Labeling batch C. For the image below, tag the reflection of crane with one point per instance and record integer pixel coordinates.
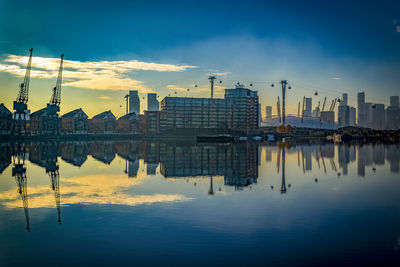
(283, 186)
(20, 104)
(19, 172)
(211, 190)
(55, 186)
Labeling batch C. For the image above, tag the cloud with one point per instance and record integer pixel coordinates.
(98, 75)
(335, 78)
(176, 88)
(104, 97)
(220, 73)
(398, 29)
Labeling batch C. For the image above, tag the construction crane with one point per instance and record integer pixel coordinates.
(332, 108)
(19, 173)
(317, 110)
(20, 104)
(54, 104)
(323, 107)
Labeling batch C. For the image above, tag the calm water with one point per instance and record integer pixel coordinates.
(131, 203)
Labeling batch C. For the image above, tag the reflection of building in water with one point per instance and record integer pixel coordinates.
(393, 156)
(151, 168)
(102, 151)
(130, 152)
(268, 155)
(74, 153)
(369, 155)
(237, 163)
(343, 158)
(5, 156)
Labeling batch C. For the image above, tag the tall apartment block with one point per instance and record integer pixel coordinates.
(134, 102)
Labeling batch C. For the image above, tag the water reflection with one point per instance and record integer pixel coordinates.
(237, 164)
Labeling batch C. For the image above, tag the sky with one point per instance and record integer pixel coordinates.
(167, 47)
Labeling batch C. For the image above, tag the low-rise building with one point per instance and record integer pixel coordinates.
(103, 123)
(127, 124)
(74, 122)
(44, 121)
(5, 120)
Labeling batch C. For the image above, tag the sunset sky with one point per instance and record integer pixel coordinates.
(111, 47)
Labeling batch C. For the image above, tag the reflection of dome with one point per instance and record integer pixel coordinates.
(294, 121)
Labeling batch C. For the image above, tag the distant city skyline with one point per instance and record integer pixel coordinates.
(331, 48)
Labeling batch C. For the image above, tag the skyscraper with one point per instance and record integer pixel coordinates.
(378, 116)
(352, 116)
(152, 102)
(344, 100)
(134, 102)
(394, 101)
(361, 108)
(268, 111)
(343, 115)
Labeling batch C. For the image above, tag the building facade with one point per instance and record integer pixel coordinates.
(5, 120)
(103, 123)
(127, 124)
(44, 121)
(74, 122)
(194, 113)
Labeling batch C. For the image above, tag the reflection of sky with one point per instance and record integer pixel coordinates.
(347, 215)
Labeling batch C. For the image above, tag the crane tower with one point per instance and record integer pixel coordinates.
(20, 104)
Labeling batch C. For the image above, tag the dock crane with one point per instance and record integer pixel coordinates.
(54, 105)
(20, 104)
(19, 173)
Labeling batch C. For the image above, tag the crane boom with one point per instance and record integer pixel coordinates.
(24, 87)
(56, 97)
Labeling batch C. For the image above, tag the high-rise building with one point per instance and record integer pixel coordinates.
(361, 108)
(268, 111)
(134, 102)
(245, 107)
(352, 116)
(368, 114)
(393, 114)
(343, 115)
(394, 101)
(344, 100)
(308, 107)
(152, 102)
(378, 116)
